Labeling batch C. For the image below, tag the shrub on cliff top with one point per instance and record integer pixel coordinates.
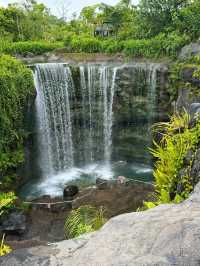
(23, 48)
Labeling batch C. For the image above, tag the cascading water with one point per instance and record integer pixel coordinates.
(108, 96)
(97, 89)
(76, 117)
(54, 84)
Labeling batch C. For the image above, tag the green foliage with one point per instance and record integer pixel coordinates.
(177, 140)
(16, 85)
(188, 20)
(6, 201)
(29, 21)
(156, 16)
(153, 28)
(4, 249)
(85, 219)
(85, 44)
(161, 45)
(24, 48)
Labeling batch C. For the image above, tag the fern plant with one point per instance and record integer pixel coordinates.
(83, 220)
(177, 140)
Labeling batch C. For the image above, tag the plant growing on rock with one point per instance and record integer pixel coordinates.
(177, 139)
(6, 203)
(83, 220)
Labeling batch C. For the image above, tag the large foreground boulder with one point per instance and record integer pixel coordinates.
(166, 235)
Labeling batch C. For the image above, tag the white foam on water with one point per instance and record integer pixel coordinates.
(141, 169)
(53, 185)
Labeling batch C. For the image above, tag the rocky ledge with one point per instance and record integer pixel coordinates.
(165, 235)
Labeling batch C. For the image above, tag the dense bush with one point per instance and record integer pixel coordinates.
(85, 44)
(112, 46)
(24, 48)
(161, 45)
(188, 21)
(16, 85)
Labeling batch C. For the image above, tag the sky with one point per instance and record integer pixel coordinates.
(73, 5)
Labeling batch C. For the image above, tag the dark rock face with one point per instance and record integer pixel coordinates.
(102, 183)
(187, 75)
(14, 222)
(70, 191)
(189, 50)
(191, 168)
(189, 100)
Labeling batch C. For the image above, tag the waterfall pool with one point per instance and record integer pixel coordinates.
(85, 176)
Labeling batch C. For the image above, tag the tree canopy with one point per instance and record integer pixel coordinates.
(33, 21)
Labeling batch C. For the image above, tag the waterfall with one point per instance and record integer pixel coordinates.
(63, 141)
(54, 85)
(152, 86)
(108, 96)
(77, 108)
(97, 90)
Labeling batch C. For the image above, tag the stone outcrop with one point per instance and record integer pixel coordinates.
(165, 235)
(189, 50)
(188, 94)
(13, 222)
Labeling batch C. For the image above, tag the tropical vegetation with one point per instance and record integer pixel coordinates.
(153, 28)
(178, 138)
(17, 87)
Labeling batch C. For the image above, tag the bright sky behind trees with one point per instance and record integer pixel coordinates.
(71, 5)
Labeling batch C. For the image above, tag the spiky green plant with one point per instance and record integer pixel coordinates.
(6, 201)
(83, 220)
(177, 140)
(4, 249)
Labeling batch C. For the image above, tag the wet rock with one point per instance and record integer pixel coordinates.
(13, 222)
(189, 50)
(70, 191)
(187, 75)
(188, 157)
(195, 170)
(102, 183)
(183, 100)
(194, 109)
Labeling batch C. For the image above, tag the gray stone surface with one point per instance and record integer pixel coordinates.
(166, 235)
(189, 50)
(187, 76)
(13, 222)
